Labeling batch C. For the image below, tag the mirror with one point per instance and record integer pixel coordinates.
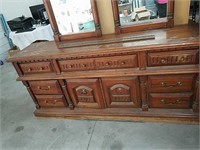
(73, 16)
(142, 14)
(73, 19)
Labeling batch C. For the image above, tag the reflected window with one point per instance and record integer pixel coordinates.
(141, 11)
(73, 16)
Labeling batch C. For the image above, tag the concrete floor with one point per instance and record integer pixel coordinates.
(21, 130)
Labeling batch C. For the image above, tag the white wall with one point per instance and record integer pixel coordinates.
(16, 8)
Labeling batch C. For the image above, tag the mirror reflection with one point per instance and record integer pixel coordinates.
(73, 16)
(141, 11)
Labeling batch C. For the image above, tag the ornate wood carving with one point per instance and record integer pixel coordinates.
(39, 67)
(65, 92)
(195, 105)
(116, 62)
(55, 66)
(120, 93)
(142, 60)
(171, 58)
(74, 65)
(143, 92)
(85, 94)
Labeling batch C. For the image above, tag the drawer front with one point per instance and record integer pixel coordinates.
(39, 67)
(173, 58)
(116, 62)
(121, 92)
(171, 83)
(45, 87)
(171, 100)
(85, 93)
(51, 100)
(76, 65)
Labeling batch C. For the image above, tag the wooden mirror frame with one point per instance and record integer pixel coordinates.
(70, 37)
(140, 27)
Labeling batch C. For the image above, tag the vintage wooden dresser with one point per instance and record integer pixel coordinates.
(143, 80)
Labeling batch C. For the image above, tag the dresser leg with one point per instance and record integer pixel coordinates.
(195, 106)
(143, 94)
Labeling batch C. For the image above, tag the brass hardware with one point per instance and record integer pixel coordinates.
(29, 70)
(84, 92)
(122, 63)
(178, 101)
(107, 64)
(40, 88)
(183, 59)
(163, 61)
(119, 89)
(41, 68)
(54, 101)
(163, 84)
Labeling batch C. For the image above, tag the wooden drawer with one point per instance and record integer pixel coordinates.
(39, 67)
(121, 92)
(85, 93)
(171, 83)
(173, 58)
(75, 65)
(171, 100)
(116, 62)
(45, 87)
(51, 100)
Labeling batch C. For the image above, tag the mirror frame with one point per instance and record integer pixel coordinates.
(70, 37)
(145, 26)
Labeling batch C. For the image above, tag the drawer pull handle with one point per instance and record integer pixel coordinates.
(40, 88)
(178, 101)
(84, 92)
(107, 64)
(84, 65)
(163, 84)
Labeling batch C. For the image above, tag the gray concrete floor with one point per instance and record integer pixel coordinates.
(21, 130)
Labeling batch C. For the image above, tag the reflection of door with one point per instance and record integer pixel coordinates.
(5, 41)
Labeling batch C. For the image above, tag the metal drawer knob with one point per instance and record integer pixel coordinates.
(29, 70)
(107, 64)
(41, 68)
(122, 63)
(84, 92)
(163, 61)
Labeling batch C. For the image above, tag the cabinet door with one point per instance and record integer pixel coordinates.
(85, 93)
(121, 92)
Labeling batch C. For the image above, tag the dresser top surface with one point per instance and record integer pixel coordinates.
(180, 35)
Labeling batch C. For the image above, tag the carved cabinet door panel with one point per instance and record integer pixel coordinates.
(85, 93)
(121, 92)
